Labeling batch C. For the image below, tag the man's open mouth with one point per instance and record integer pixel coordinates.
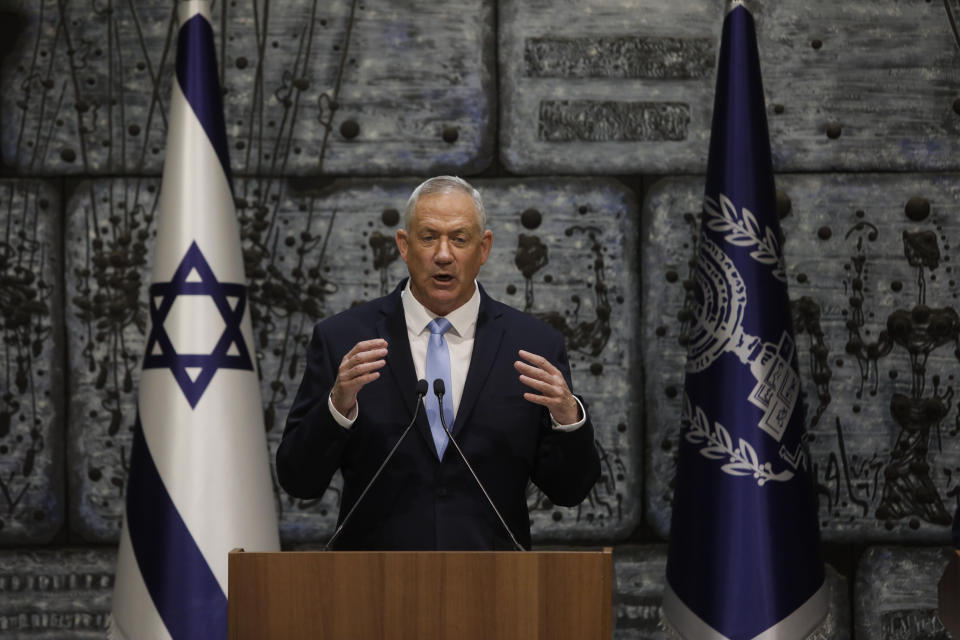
(443, 277)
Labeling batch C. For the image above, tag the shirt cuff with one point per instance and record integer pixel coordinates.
(342, 420)
(556, 425)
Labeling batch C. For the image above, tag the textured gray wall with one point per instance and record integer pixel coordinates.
(309, 88)
(869, 262)
(897, 593)
(335, 110)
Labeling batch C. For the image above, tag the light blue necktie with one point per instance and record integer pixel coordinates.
(438, 366)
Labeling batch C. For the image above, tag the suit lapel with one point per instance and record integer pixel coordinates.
(392, 327)
(486, 344)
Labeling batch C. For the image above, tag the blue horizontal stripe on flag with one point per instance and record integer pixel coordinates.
(183, 588)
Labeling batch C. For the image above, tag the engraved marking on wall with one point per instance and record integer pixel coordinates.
(612, 121)
(619, 57)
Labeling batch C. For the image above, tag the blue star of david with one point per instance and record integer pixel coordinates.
(178, 363)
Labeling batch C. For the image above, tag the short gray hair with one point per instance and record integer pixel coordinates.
(444, 184)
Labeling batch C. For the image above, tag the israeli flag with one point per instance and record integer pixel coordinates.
(200, 481)
(744, 560)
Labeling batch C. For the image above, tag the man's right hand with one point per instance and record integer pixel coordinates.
(359, 367)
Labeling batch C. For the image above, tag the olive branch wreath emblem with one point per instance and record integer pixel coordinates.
(741, 229)
(741, 461)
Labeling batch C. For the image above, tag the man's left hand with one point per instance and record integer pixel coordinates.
(538, 374)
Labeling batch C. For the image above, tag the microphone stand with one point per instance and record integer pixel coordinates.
(438, 389)
(422, 389)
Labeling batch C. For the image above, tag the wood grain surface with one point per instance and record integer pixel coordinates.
(425, 595)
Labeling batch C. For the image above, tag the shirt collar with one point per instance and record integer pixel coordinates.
(462, 319)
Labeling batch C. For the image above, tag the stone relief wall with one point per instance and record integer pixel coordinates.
(874, 298)
(586, 126)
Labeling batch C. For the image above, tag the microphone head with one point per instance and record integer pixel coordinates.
(438, 387)
(422, 387)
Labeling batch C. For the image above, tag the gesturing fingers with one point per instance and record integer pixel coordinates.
(538, 373)
(541, 363)
(358, 367)
(542, 376)
(364, 358)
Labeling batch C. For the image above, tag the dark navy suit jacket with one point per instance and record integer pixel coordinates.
(421, 502)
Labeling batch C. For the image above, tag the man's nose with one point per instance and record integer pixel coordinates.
(443, 254)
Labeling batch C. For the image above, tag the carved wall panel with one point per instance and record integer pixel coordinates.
(626, 86)
(32, 490)
(376, 87)
(54, 594)
(896, 593)
(872, 281)
(110, 228)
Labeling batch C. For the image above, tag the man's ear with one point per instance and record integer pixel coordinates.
(486, 243)
(402, 243)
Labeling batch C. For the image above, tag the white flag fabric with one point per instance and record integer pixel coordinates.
(199, 481)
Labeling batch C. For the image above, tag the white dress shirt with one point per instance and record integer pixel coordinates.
(463, 328)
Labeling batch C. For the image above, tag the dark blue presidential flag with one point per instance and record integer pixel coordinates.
(745, 560)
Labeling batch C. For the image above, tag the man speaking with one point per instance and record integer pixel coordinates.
(504, 396)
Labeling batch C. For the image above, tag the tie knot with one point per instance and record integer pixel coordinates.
(439, 326)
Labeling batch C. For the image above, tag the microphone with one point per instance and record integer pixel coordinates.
(438, 389)
(422, 389)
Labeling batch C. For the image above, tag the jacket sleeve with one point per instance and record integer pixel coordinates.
(567, 464)
(313, 443)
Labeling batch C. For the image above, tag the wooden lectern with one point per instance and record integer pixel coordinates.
(468, 595)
